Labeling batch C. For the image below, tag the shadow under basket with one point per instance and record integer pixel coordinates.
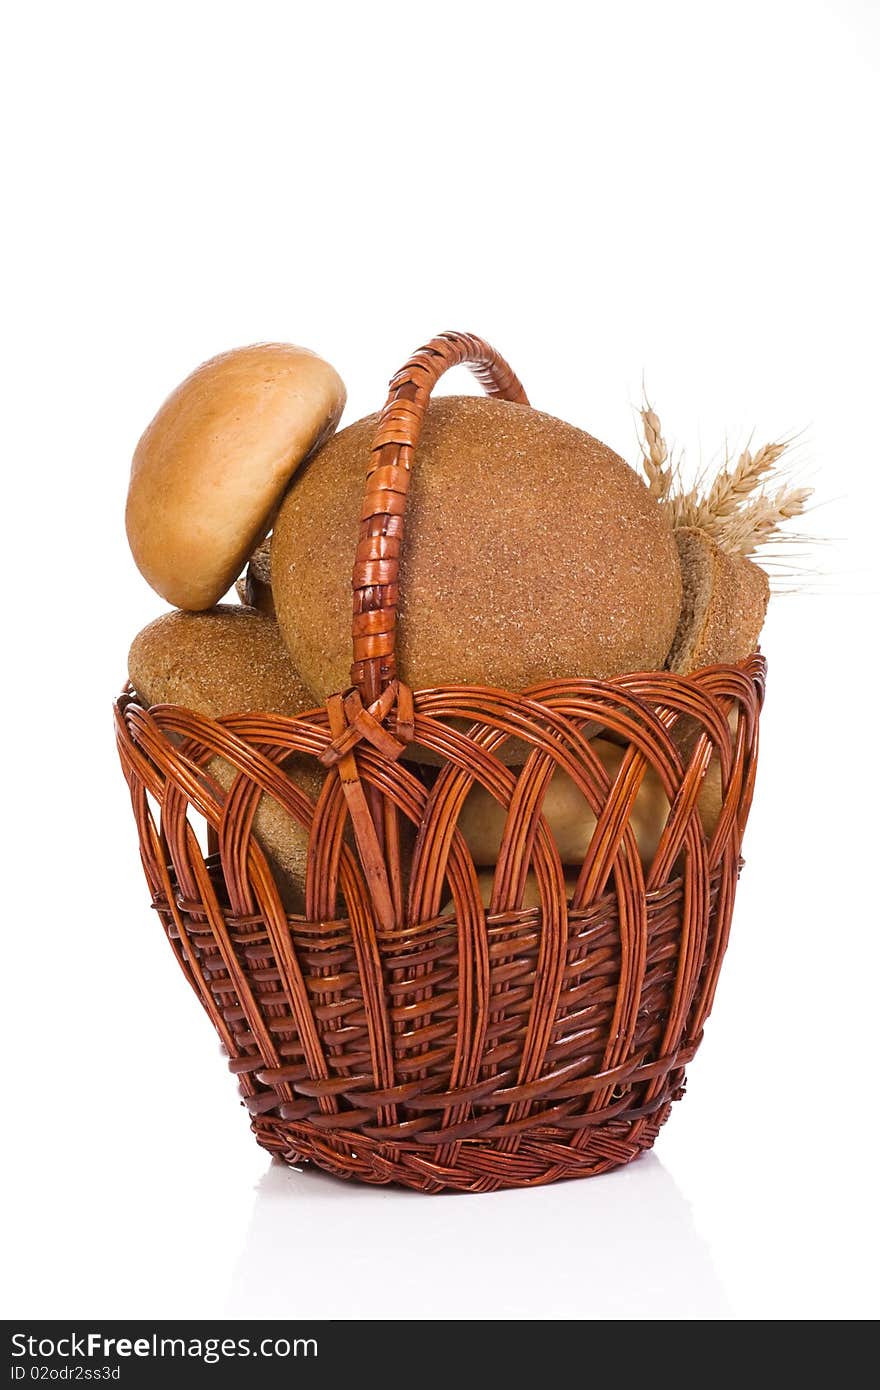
(393, 1028)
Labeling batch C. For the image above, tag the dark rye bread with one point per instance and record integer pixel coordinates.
(231, 660)
(723, 607)
(254, 588)
(532, 552)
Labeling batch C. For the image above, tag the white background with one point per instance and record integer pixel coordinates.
(684, 191)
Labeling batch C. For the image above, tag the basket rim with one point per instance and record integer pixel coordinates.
(753, 666)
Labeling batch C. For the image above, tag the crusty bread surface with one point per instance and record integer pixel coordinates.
(254, 588)
(231, 660)
(531, 552)
(211, 468)
(568, 814)
(724, 604)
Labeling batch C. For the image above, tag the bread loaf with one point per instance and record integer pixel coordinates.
(568, 814)
(571, 821)
(254, 588)
(531, 552)
(723, 606)
(227, 661)
(211, 468)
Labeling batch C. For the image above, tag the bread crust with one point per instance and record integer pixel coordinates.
(531, 552)
(254, 588)
(723, 607)
(227, 661)
(568, 814)
(211, 468)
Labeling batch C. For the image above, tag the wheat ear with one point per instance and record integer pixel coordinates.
(655, 455)
(759, 522)
(733, 510)
(733, 487)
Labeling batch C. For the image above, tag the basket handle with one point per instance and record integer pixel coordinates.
(376, 567)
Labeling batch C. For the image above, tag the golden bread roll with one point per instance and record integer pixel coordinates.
(531, 552)
(227, 661)
(568, 814)
(686, 732)
(282, 839)
(709, 799)
(211, 468)
(254, 588)
(723, 607)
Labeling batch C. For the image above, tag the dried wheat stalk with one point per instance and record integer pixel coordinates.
(759, 522)
(734, 486)
(655, 456)
(735, 510)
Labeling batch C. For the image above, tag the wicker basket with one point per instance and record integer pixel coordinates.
(459, 1049)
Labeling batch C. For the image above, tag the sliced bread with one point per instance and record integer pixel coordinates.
(254, 588)
(723, 608)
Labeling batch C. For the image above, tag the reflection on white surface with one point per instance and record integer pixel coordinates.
(619, 1246)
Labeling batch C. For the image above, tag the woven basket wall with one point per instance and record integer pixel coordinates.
(396, 1030)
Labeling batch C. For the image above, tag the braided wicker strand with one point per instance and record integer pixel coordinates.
(397, 1031)
(375, 578)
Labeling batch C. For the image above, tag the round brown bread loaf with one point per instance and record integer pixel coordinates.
(282, 839)
(569, 818)
(532, 552)
(211, 468)
(227, 661)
